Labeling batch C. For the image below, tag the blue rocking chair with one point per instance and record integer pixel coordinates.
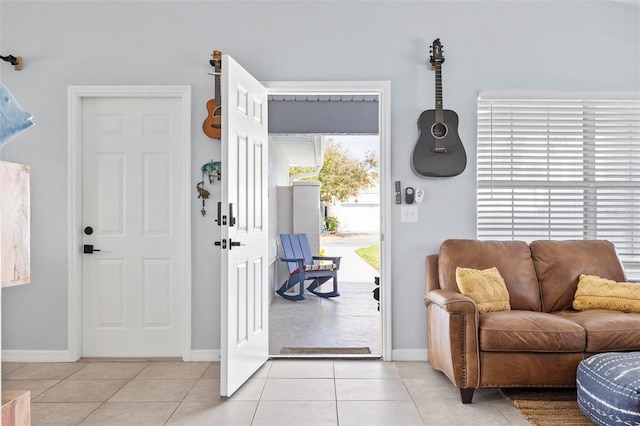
(302, 267)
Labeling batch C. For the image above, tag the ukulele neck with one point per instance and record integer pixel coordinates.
(217, 88)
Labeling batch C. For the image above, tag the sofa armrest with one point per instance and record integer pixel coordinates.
(433, 280)
(451, 302)
(452, 337)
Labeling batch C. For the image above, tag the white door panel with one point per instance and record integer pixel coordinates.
(245, 329)
(133, 196)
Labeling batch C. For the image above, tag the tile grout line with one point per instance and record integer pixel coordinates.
(335, 390)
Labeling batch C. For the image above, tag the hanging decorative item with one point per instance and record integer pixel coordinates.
(13, 119)
(211, 169)
(16, 61)
(204, 194)
(212, 125)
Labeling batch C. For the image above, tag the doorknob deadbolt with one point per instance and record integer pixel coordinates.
(232, 220)
(88, 230)
(233, 244)
(219, 216)
(88, 248)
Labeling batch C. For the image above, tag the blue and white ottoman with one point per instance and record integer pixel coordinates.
(608, 387)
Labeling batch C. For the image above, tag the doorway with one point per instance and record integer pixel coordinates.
(366, 284)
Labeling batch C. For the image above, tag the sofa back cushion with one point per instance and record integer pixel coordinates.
(512, 258)
(559, 264)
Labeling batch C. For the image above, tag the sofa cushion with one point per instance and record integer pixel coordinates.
(606, 330)
(528, 331)
(560, 263)
(485, 287)
(512, 258)
(599, 293)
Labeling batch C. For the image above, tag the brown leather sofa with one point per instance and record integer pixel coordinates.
(541, 340)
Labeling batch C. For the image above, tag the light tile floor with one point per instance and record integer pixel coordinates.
(283, 392)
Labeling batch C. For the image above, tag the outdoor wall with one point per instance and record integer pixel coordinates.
(298, 212)
(497, 45)
(359, 218)
(360, 213)
(306, 212)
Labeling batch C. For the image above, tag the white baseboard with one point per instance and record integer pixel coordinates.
(37, 356)
(205, 355)
(409, 354)
(65, 356)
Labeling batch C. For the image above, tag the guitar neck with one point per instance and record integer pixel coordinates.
(439, 114)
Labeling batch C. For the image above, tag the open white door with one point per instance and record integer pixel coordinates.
(244, 279)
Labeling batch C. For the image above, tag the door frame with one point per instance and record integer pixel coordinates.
(75, 96)
(383, 90)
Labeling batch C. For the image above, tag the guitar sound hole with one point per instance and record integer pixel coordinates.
(439, 130)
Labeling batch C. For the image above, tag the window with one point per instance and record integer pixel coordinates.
(561, 169)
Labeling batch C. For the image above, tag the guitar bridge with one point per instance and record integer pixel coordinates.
(440, 150)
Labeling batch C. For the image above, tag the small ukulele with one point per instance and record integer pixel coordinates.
(438, 151)
(212, 125)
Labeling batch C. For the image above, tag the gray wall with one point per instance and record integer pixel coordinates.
(534, 45)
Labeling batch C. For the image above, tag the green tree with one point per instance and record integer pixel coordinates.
(341, 176)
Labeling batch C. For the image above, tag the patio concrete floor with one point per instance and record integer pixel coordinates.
(350, 320)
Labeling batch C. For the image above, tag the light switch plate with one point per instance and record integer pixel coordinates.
(409, 214)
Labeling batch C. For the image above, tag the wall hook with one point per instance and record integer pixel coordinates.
(16, 61)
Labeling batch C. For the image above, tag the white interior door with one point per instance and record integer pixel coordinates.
(133, 199)
(245, 285)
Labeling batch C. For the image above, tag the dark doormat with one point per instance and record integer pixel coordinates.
(325, 351)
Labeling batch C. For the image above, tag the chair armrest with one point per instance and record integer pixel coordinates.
(291, 259)
(334, 259)
(299, 261)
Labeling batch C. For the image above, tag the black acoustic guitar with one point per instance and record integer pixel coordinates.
(439, 151)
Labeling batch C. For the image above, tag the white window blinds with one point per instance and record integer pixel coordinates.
(561, 169)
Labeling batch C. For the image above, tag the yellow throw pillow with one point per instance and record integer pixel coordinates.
(599, 293)
(486, 288)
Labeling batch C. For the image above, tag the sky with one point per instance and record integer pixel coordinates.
(358, 145)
